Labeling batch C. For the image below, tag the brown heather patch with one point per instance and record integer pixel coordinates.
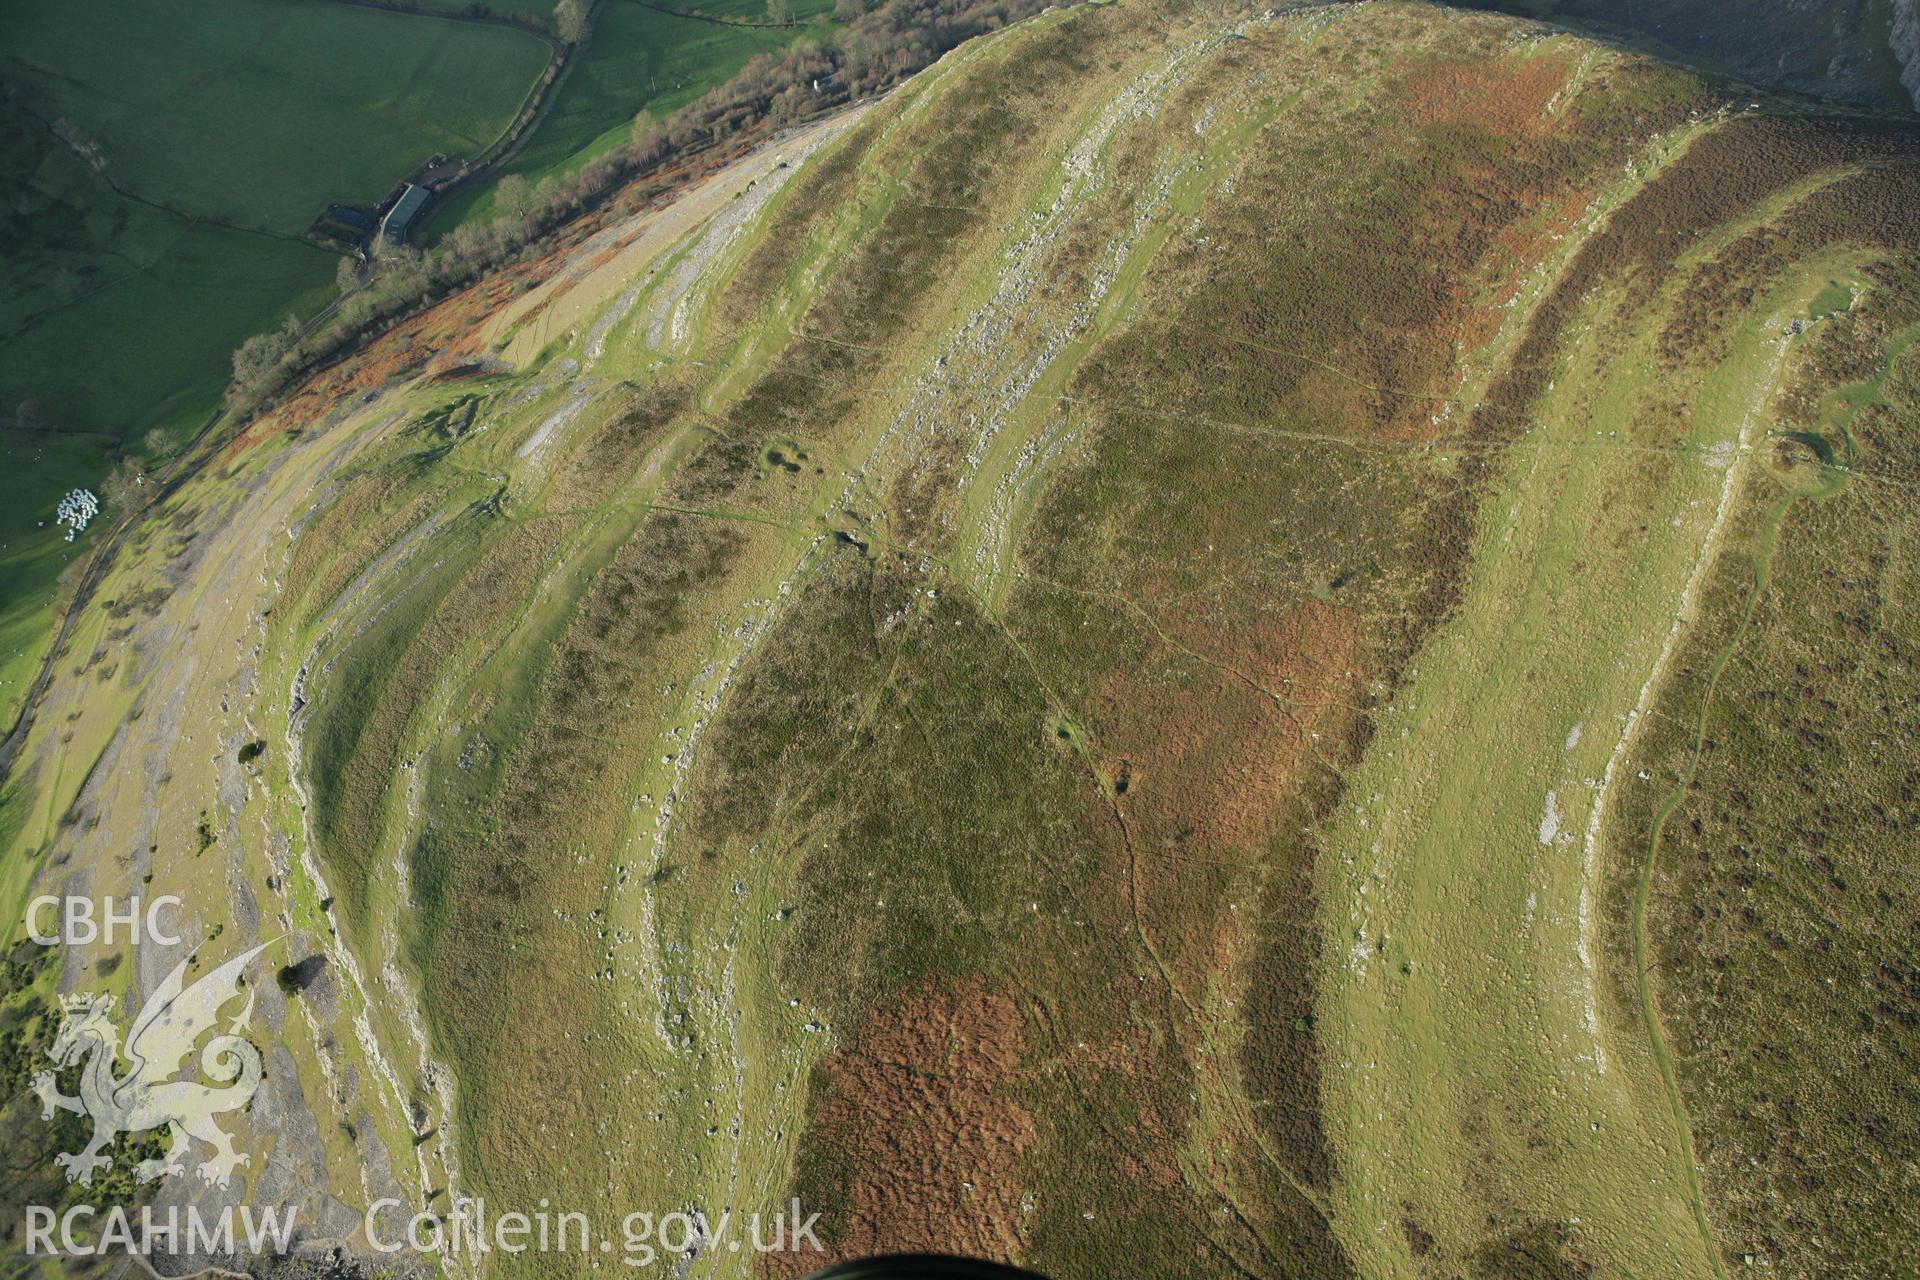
(1195, 768)
(500, 287)
(1307, 655)
(1344, 317)
(408, 347)
(435, 341)
(1478, 325)
(1527, 242)
(1202, 770)
(1205, 763)
(450, 334)
(1508, 97)
(916, 1118)
(325, 391)
(560, 290)
(538, 309)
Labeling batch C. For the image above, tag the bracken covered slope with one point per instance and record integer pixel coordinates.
(1267, 645)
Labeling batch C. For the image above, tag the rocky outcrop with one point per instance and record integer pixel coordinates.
(1906, 45)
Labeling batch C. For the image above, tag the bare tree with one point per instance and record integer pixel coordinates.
(125, 487)
(644, 127)
(257, 363)
(570, 20)
(513, 196)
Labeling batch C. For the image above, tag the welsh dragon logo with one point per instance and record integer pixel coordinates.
(171, 1023)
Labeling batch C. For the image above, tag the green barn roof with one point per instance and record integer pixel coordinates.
(406, 209)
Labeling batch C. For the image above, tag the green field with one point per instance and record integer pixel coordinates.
(261, 111)
(541, 9)
(638, 58)
(115, 318)
(40, 465)
(643, 58)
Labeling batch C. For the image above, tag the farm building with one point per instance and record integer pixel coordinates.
(405, 212)
(348, 216)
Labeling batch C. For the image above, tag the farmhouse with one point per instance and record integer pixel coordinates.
(406, 211)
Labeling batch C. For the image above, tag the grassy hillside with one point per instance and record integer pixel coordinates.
(1763, 875)
(1259, 644)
